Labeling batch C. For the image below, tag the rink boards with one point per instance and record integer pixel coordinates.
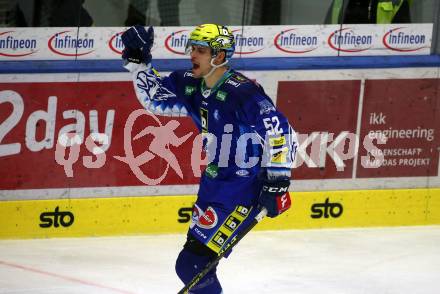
(70, 191)
(171, 214)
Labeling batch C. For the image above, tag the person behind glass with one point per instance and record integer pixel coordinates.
(168, 12)
(220, 101)
(369, 11)
(62, 13)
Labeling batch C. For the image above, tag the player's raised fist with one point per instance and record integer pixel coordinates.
(138, 43)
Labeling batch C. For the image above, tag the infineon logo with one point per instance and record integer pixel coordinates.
(347, 40)
(247, 44)
(399, 40)
(67, 44)
(176, 42)
(115, 43)
(292, 41)
(12, 46)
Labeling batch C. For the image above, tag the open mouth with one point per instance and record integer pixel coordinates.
(195, 66)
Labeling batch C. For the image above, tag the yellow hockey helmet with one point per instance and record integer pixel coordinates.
(216, 37)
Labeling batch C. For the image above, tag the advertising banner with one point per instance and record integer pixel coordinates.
(251, 41)
(324, 113)
(36, 151)
(401, 118)
(362, 129)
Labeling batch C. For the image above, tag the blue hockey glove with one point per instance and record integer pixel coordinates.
(275, 196)
(138, 43)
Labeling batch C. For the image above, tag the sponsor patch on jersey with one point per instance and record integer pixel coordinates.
(233, 83)
(189, 90)
(242, 173)
(265, 107)
(241, 79)
(280, 156)
(204, 119)
(212, 170)
(276, 142)
(208, 219)
(221, 95)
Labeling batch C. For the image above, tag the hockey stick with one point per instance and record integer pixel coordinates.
(222, 252)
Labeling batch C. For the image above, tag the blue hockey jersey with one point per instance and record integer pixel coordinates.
(243, 133)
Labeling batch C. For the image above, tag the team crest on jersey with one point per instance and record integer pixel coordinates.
(265, 107)
(209, 219)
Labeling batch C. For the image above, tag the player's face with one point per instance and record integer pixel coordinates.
(201, 60)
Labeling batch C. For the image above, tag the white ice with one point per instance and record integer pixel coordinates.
(333, 261)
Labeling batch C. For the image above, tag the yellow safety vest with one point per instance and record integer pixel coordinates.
(386, 10)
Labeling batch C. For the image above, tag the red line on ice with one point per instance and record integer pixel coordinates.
(84, 282)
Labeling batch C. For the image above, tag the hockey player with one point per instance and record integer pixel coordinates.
(250, 144)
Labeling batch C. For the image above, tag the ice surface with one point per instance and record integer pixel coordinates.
(336, 261)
